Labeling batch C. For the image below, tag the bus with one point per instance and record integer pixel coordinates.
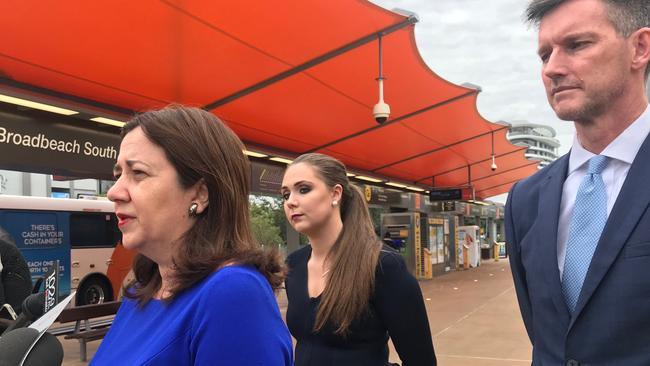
(82, 234)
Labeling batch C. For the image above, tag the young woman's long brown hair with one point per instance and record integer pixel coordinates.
(202, 148)
(353, 257)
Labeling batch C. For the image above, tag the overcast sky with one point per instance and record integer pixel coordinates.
(488, 44)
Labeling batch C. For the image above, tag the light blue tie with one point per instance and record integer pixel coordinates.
(587, 223)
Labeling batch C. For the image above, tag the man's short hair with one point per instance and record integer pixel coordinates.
(627, 16)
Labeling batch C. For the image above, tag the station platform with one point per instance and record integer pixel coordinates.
(473, 315)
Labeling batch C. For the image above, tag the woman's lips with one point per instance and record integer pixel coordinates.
(123, 220)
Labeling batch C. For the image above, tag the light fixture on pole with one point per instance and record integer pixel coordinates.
(381, 110)
(494, 163)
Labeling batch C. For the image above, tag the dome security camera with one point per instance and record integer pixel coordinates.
(381, 111)
(494, 164)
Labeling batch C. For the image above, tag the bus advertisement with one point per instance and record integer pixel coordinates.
(80, 234)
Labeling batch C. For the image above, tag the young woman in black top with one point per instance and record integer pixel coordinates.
(347, 293)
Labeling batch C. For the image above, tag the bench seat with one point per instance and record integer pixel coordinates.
(81, 315)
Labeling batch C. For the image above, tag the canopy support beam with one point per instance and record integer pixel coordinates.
(311, 63)
(440, 148)
(506, 171)
(42, 92)
(472, 164)
(500, 184)
(390, 122)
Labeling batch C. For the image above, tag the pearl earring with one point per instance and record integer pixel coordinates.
(334, 203)
(193, 208)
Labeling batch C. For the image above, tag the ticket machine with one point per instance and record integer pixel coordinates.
(403, 231)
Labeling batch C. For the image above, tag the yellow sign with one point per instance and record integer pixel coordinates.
(428, 268)
(419, 259)
(368, 192)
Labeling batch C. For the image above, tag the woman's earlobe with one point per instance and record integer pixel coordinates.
(202, 196)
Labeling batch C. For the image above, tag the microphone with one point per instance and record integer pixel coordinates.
(34, 306)
(48, 351)
(14, 345)
(23, 347)
(32, 309)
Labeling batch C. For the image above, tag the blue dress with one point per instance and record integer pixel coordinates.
(229, 318)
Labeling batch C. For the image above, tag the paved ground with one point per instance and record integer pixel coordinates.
(473, 315)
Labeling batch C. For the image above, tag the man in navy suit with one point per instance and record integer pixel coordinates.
(578, 231)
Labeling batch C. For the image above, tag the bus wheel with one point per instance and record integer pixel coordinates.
(94, 290)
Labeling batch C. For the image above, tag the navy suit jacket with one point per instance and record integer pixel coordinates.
(611, 323)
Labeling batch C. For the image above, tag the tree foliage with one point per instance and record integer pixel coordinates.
(267, 220)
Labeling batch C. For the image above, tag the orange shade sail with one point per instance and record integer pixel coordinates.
(293, 77)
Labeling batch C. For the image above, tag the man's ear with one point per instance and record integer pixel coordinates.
(641, 47)
(201, 196)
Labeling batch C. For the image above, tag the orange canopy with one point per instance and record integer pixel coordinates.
(291, 77)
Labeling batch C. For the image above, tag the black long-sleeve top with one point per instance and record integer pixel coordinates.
(15, 280)
(396, 309)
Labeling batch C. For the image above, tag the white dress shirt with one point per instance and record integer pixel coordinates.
(621, 152)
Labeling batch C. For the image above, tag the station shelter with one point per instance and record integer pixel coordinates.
(288, 78)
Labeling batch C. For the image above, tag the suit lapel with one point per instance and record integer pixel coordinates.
(631, 203)
(550, 197)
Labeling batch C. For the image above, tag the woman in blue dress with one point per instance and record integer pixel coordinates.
(203, 292)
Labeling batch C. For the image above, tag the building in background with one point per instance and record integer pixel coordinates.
(540, 140)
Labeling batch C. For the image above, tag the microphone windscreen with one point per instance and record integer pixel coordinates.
(15, 344)
(34, 305)
(47, 352)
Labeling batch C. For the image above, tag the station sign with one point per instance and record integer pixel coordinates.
(57, 145)
(455, 194)
(382, 196)
(266, 178)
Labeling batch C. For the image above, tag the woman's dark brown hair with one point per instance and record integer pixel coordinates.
(202, 148)
(353, 257)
